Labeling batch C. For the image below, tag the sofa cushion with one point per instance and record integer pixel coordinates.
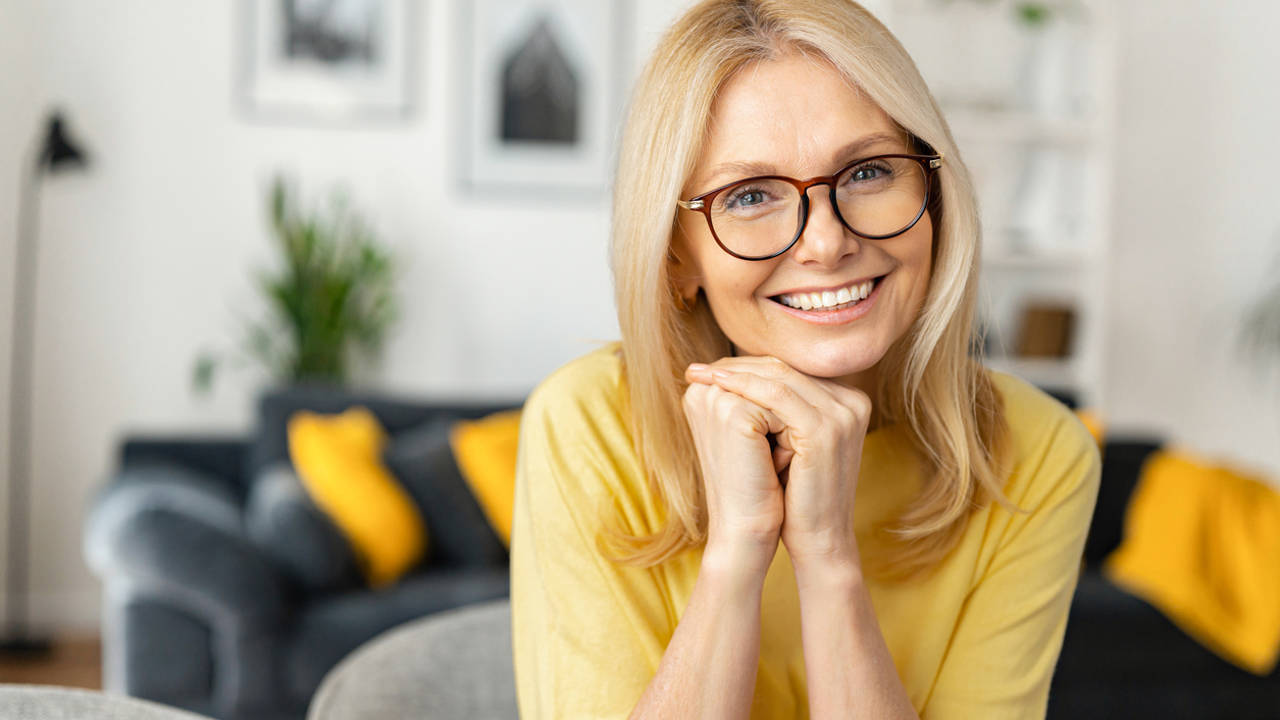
(460, 535)
(1122, 462)
(339, 458)
(285, 523)
(270, 442)
(485, 451)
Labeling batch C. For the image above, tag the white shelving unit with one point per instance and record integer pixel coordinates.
(1031, 107)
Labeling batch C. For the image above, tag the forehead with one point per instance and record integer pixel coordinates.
(793, 114)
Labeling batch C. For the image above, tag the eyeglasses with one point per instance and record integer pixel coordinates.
(762, 217)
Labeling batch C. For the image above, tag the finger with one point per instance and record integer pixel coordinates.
(782, 458)
(820, 392)
(775, 395)
(731, 409)
(852, 398)
(698, 373)
(771, 367)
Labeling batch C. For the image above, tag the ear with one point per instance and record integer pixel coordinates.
(684, 273)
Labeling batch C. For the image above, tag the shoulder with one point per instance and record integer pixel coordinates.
(575, 437)
(589, 385)
(1049, 442)
(580, 413)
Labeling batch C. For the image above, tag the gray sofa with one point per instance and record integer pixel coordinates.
(49, 702)
(447, 666)
(227, 593)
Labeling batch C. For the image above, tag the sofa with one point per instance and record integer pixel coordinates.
(224, 592)
(1122, 658)
(196, 614)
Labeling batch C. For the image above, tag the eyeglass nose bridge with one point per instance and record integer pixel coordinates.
(803, 186)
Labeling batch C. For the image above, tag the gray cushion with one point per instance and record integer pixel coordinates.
(455, 664)
(458, 532)
(284, 521)
(35, 702)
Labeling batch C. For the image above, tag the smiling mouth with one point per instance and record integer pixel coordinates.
(829, 301)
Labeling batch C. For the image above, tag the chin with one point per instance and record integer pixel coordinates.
(834, 362)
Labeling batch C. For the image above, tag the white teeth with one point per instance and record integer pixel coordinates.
(828, 299)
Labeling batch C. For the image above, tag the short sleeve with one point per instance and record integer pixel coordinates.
(587, 634)
(1005, 646)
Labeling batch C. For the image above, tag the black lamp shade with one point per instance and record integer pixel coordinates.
(59, 151)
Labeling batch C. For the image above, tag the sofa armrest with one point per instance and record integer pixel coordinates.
(454, 664)
(177, 534)
(215, 458)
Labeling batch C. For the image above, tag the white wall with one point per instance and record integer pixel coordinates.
(144, 259)
(21, 45)
(1197, 229)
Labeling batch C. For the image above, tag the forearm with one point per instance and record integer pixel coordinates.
(848, 668)
(709, 667)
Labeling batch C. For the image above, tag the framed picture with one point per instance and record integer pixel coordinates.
(541, 95)
(327, 61)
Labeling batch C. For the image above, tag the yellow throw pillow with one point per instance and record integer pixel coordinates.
(339, 460)
(485, 451)
(1201, 538)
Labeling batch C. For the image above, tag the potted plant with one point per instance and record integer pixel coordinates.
(328, 304)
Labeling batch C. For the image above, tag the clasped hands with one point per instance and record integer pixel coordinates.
(779, 452)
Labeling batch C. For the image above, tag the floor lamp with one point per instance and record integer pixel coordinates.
(54, 152)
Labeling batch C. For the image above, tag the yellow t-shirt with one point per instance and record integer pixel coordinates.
(979, 639)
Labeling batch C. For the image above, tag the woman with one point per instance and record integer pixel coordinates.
(790, 491)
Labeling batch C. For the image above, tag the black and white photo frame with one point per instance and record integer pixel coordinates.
(327, 61)
(541, 95)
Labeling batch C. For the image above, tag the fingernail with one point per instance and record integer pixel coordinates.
(720, 373)
(697, 366)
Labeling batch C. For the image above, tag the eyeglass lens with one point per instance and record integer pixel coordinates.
(881, 196)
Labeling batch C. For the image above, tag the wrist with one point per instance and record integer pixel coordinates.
(741, 561)
(835, 570)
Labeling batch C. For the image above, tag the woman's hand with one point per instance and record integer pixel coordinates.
(744, 497)
(819, 449)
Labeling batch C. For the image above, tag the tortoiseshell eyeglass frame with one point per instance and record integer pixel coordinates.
(702, 203)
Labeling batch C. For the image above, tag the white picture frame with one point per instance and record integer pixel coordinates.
(327, 61)
(541, 94)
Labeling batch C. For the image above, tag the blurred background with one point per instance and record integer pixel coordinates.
(454, 159)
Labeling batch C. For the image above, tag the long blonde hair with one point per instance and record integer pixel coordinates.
(953, 413)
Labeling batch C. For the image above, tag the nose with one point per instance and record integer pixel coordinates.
(824, 240)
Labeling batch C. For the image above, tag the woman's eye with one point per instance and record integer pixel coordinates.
(866, 173)
(747, 198)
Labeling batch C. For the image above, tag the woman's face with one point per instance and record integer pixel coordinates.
(796, 116)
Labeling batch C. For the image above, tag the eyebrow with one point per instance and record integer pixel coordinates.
(847, 153)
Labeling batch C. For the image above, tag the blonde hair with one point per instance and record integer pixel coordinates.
(954, 414)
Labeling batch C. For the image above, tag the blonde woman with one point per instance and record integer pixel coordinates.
(790, 490)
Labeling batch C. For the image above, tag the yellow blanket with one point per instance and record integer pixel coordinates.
(1202, 545)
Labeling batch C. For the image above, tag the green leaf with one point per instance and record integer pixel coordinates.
(202, 373)
(1035, 14)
